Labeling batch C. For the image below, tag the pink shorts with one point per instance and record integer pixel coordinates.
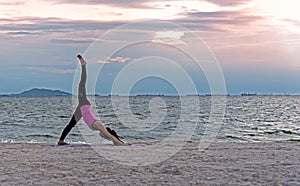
(88, 116)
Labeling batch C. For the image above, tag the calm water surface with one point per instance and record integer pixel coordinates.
(257, 118)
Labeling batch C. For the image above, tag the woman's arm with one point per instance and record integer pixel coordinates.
(98, 125)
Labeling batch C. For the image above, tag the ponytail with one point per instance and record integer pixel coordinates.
(114, 133)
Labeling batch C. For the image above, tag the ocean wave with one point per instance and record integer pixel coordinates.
(233, 137)
(41, 135)
(289, 132)
(294, 140)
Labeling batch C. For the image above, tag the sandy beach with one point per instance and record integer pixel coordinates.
(222, 163)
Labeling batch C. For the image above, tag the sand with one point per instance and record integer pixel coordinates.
(221, 164)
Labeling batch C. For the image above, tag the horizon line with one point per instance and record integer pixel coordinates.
(157, 94)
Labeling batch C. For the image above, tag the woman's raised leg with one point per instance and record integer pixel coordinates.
(82, 99)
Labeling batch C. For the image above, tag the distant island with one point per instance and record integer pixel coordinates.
(41, 92)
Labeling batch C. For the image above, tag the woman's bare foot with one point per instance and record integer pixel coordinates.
(60, 142)
(82, 61)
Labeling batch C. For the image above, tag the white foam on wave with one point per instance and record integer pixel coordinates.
(8, 141)
(33, 141)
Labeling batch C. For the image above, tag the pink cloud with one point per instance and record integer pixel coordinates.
(113, 3)
(114, 59)
(12, 3)
(229, 2)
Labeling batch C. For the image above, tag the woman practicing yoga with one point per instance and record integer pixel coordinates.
(84, 110)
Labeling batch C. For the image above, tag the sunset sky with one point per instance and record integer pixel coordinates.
(256, 42)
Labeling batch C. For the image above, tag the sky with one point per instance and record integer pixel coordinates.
(256, 44)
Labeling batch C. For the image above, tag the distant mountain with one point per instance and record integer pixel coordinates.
(42, 92)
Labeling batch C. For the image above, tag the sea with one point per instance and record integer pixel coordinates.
(154, 118)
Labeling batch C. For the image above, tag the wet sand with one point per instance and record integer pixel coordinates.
(221, 164)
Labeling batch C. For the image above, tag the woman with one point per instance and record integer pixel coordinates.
(84, 110)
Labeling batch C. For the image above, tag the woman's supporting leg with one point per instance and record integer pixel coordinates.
(75, 118)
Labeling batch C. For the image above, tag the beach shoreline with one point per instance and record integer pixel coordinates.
(266, 163)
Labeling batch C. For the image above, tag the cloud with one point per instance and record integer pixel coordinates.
(170, 37)
(216, 21)
(146, 3)
(92, 29)
(223, 17)
(50, 24)
(51, 70)
(114, 3)
(293, 21)
(114, 60)
(229, 2)
(22, 33)
(12, 3)
(70, 41)
(56, 30)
